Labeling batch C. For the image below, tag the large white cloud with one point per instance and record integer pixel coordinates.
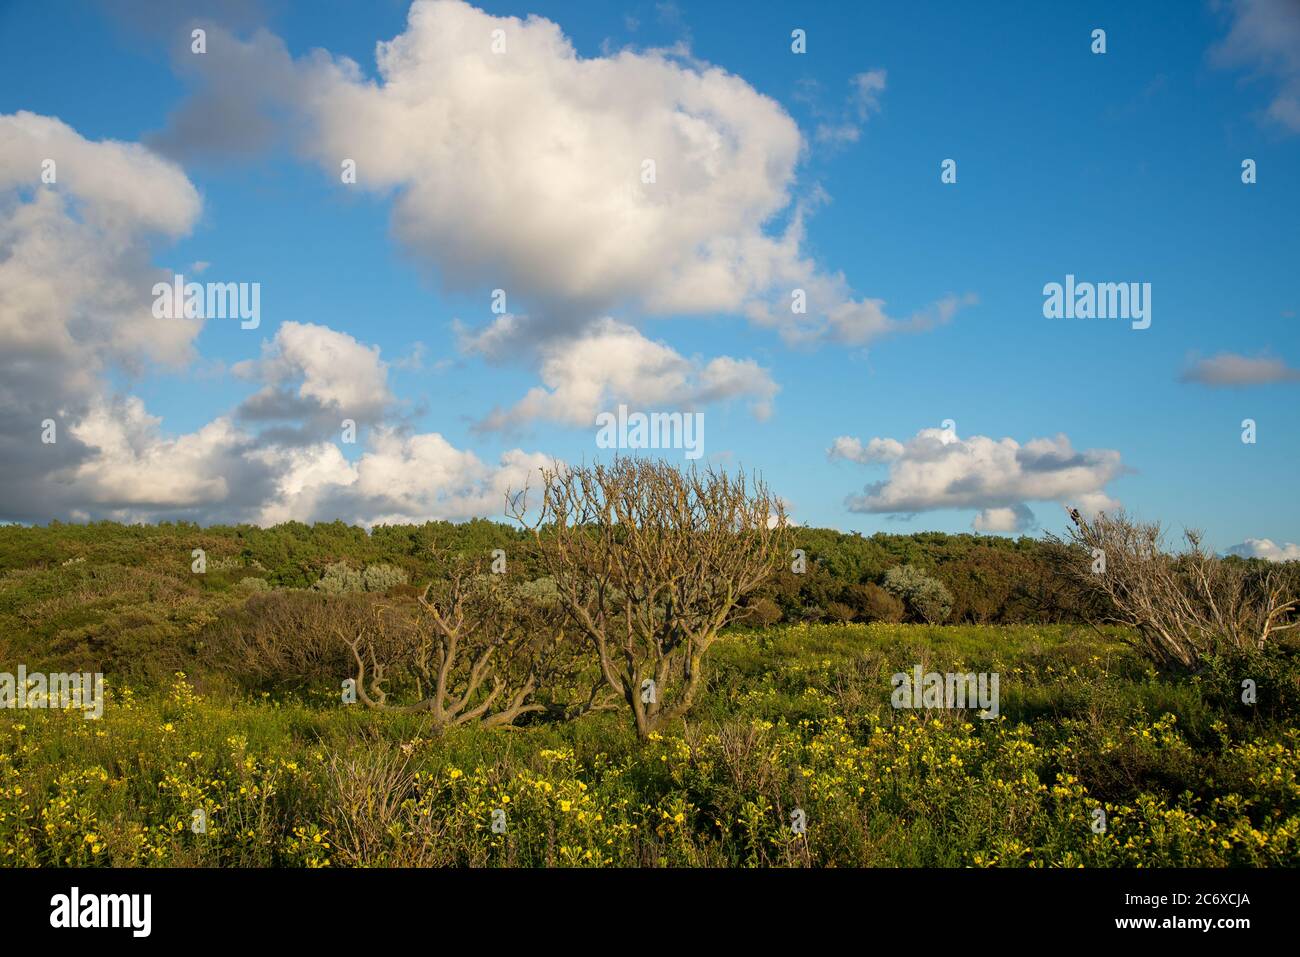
(75, 279)
(400, 478)
(76, 291)
(522, 167)
(938, 470)
(615, 363)
(76, 305)
(135, 466)
(222, 472)
(310, 374)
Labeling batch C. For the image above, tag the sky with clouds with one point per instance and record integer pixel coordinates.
(560, 207)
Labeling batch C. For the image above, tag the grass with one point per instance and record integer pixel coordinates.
(795, 719)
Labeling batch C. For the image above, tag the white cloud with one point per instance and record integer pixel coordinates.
(223, 473)
(938, 470)
(75, 280)
(1014, 518)
(313, 366)
(76, 304)
(400, 478)
(852, 450)
(1265, 38)
(1265, 548)
(615, 363)
(134, 466)
(523, 170)
(76, 290)
(125, 190)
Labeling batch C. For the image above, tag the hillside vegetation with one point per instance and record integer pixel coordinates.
(225, 738)
(124, 598)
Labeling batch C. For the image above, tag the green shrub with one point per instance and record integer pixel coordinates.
(340, 578)
(379, 578)
(926, 598)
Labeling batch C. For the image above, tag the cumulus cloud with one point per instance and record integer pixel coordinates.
(526, 170)
(1015, 518)
(135, 472)
(1266, 548)
(1264, 38)
(76, 305)
(76, 290)
(851, 449)
(1228, 369)
(310, 375)
(318, 375)
(224, 472)
(400, 478)
(615, 363)
(938, 470)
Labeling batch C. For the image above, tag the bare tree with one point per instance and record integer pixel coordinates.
(1183, 605)
(478, 652)
(650, 562)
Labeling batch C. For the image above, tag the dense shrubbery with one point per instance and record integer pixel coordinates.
(1185, 778)
(122, 598)
(794, 714)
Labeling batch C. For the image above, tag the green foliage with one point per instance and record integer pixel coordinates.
(991, 578)
(797, 717)
(380, 578)
(340, 578)
(925, 597)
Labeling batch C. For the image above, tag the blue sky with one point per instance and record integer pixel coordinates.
(1115, 167)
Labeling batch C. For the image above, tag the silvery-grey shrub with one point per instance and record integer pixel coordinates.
(340, 578)
(925, 596)
(541, 591)
(383, 577)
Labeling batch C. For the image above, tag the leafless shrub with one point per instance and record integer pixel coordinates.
(480, 650)
(1183, 605)
(649, 563)
(287, 637)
